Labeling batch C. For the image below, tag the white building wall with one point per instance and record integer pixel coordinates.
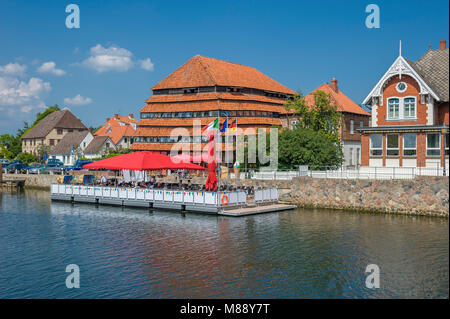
(85, 142)
(392, 162)
(376, 162)
(430, 111)
(352, 153)
(409, 162)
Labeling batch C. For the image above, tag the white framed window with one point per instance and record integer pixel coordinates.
(434, 144)
(361, 124)
(409, 144)
(376, 145)
(393, 109)
(352, 127)
(409, 107)
(392, 148)
(351, 157)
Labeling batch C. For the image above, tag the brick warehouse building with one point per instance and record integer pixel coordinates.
(353, 116)
(410, 114)
(201, 88)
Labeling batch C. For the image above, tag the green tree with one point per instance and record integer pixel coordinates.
(11, 145)
(43, 150)
(322, 115)
(111, 152)
(305, 146)
(26, 157)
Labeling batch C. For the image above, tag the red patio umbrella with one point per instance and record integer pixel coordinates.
(141, 161)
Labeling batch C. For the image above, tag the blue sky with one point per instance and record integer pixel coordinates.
(300, 44)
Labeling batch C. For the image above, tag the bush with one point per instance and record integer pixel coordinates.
(26, 158)
(308, 147)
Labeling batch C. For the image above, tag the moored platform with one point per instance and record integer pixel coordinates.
(227, 203)
(253, 210)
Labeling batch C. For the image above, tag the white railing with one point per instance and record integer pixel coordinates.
(363, 172)
(153, 195)
(266, 195)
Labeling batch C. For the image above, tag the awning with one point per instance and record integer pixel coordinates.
(142, 161)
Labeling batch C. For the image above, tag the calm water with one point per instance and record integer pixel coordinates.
(131, 253)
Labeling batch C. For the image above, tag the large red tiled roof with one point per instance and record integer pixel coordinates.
(117, 127)
(213, 105)
(188, 122)
(213, 96)
(203, 71)
(342, 101)
(167, 131)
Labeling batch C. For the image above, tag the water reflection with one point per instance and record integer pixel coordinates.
(125, 252)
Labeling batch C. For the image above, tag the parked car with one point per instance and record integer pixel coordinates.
(53, 168)
(4, 161)
(78, 165)
(56, 161)
(35, 169)
(13, 167)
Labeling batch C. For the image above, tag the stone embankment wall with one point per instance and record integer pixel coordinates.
(33, 180)
(424, 195)
(419, 196)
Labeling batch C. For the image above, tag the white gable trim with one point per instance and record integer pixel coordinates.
(399, 67)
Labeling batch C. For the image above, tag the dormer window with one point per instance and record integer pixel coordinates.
(401, 87)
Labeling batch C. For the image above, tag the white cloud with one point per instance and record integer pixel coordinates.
(50, 67)
(147, 64)
(20, 99)
(114, 58)
(77, 100)
(13, 69)
(15, 92)
(109, 59)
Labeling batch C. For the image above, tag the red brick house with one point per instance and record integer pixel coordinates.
(410, 107)
(353, 116)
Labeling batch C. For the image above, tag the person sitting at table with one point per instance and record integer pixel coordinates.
(103, 180)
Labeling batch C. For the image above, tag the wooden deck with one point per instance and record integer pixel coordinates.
(244, 211)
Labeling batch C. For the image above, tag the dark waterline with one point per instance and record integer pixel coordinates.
(133, 253)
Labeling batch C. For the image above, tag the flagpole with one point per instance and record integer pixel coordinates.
(226, 143)
(236, 145)
(215, 150)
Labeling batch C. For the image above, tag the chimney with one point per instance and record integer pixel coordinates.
(334, 85)
(443, 44)
(131, 116)
(107, 119)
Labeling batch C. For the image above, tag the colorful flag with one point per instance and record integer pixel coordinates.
(224, 126)
(232, 127)
(214, 125)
